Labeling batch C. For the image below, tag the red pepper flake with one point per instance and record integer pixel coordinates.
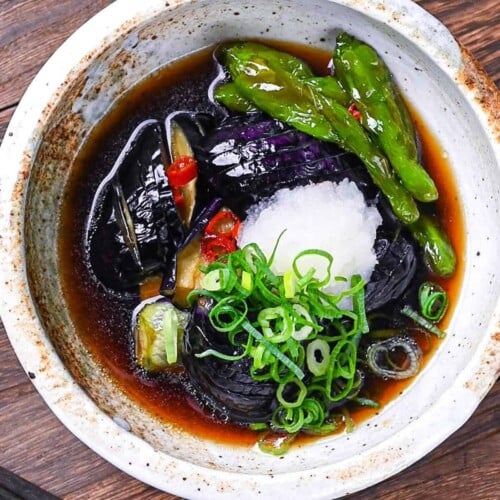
(353, 109)
(224, 223)
(178, 196)
(182, 171)
(213, 247)
(220, 235)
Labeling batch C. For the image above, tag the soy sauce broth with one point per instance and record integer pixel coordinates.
(102, 319)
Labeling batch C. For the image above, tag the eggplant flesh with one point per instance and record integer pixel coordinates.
(226, 387)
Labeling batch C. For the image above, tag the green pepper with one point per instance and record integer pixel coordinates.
(329, 87)
(368, 80)
(437, 248)
(263, 78)
(228, 95)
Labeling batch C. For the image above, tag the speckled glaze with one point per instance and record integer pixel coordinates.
(120, 47)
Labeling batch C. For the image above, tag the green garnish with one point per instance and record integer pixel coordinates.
(433, 301)
(292, 331)
(421, 321)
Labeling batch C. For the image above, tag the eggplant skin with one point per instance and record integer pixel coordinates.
(248, 157)
(134, 227)
(226, 387)
(396, 268)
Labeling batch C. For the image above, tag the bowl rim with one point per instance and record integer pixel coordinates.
(55, 384)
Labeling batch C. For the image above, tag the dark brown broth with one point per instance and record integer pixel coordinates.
(103, 320)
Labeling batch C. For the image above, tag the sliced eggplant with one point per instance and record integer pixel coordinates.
(184, 129)
(248, 157)
(134, 227)
(151, 331)
(395, 269)
(226, 387)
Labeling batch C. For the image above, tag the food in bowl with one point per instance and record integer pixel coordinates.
(252, 246)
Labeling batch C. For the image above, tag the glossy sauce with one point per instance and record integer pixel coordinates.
(103, 320)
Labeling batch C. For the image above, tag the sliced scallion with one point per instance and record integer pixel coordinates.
(433, 301)
(420, 320)
(318, 348)
(278, 322)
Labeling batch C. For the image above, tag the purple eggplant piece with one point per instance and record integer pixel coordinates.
(197, 226)
(249, 157)
(225, 387)
(394, 272)
(134, 227)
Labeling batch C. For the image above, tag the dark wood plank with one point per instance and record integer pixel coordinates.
(11, 373)
(30, 31)
(14, 487)
(475, 24)
(32, 441)
(5, 116)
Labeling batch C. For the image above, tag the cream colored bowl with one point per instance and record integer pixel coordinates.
(123, 45)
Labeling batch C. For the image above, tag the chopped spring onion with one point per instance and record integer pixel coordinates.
(274, 351)
(246, 280)
(420, 320)
(289, 284)
(215, 280)
(321, 347)
(299, 395)
(303, 318)
(276, 443)
(378, 358)
(366, 402)
(278, 322)
(433, 301)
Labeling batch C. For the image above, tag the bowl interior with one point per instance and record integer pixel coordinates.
(157, 36)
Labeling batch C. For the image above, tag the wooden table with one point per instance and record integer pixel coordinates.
(36, 446)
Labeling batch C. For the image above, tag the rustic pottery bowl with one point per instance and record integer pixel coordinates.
(123, 45)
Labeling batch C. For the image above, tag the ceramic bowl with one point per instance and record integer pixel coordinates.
(120, 47)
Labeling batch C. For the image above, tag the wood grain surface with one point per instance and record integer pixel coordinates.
(36, 446)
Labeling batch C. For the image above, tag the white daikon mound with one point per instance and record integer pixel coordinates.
(326, 216)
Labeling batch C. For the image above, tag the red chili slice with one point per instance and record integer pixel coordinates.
(355, 112)
(224, 223)
(213, 247)
(178, 196)
(182, 171)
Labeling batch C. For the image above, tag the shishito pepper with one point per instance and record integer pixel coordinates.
(275, 84)
(437, 248)
(368, 80)
(228, 95)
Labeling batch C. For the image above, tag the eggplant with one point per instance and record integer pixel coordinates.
(395, 269)
(249, 157)
(149, 332)
(226, 387)
(184, 130)
(134, 227)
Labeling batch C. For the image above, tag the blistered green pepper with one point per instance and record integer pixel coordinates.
(368, 80)
(228, 95)
(437, 248)
(329, 87)
(264, 79)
